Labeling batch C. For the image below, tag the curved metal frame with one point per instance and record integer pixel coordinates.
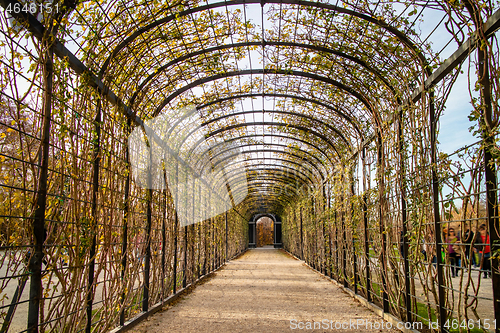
(301, 158)
(333, 129)
(273, 135)
(238, 172)
(214, 156)
(207, 79)
(248, 112)
(259, 123)
(163, 68)
(400, 35)
(301, 98)
(301, 166)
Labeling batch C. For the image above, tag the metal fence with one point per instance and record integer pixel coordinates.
(381, 242)
(356, 96)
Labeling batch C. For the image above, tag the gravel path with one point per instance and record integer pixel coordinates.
(264, 290)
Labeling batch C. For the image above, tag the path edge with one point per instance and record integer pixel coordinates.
(371, 306)
(129, 324)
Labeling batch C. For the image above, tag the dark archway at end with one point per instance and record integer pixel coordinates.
(252, 229)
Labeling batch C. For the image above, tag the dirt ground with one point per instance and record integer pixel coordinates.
(265, 290)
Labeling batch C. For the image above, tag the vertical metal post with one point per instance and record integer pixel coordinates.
(205, 236)
(301, 236)
(492, 208)
(218, 248)
(176, 228)
(324, 261)
(330, 252)
(193, 263)
(226, 255)
(38, 224)
(199, 226)
(437, 217)
(344, 239)
(290, 244)
(274, 232)
(212, 244)
(95, 189)
(380, 167)
(216, 243)
(209, 246)
(164, 234)
(126, 213)
(404, 217)
(355, 258)
(336, 245)
(193, 237)
(488, 136)
(198, 261)
(184, 266)
(255, 232)
(185, 244)
(315, 241)
(490, 179)
(366, 231)
(147, 259)
(176, 232)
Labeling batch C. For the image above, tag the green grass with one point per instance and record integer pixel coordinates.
(423, 314)
(424, 317)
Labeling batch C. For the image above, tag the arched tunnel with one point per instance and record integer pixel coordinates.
(142, 141)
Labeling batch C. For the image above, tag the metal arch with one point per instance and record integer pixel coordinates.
(260, 187)
(274, 136)
(282, 171)
(272, 200)
(400, 35)
(302, 128)
(299, 165)
(278, 152)
(276, 178)
(226, 179)
(258, 206)
(301, 98)
(256, 210)
(252, 145)
(236, 173)
(207, 79)
(280, 165)
(282, 112)
(300, 115)
(281, 168)
(268, 151)
(256, 217)
(273, 179)
(253, 111)
(256, 144)
(272, 167)
(37, 29)
(271, 43)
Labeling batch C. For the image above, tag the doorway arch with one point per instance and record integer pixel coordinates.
(252, 230)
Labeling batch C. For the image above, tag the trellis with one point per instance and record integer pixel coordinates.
(337, 125)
